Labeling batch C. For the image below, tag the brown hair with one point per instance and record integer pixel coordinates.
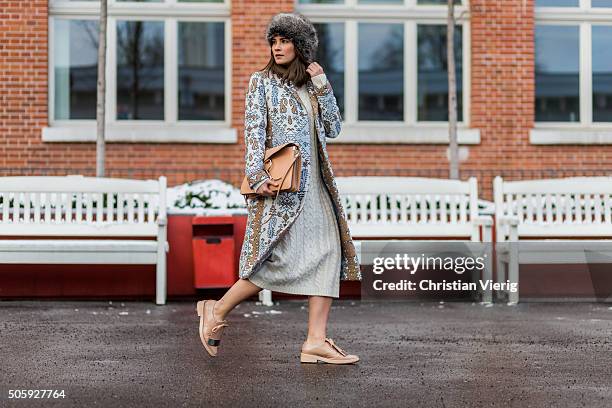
(294, 72)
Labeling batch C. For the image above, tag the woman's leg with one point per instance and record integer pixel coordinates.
(318, 312)
(317, 348)
(241, 290)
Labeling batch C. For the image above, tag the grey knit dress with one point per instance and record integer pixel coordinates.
(306, 260)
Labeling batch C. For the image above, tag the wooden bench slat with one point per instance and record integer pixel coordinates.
(74, 245)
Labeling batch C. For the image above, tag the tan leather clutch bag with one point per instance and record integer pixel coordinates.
(281, 163)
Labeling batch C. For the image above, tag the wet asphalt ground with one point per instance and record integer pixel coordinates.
(413, 354)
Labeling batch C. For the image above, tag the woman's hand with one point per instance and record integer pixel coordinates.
(266, 188)
(314, 69)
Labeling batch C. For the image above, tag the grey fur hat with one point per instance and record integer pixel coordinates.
(299, 29)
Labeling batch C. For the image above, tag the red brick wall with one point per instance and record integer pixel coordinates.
(23, 83)
(503, 93)
(250, 52)
(501, 107)
(502, 102)
(23, 106)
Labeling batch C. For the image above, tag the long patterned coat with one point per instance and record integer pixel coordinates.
(274, 115)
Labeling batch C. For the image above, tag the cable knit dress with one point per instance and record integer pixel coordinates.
(306, 260)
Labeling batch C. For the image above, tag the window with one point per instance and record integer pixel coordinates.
(381, 71)
(572, 64)
(330, 54)
(201, 73)
(378, 2)
(602, 74)
(140, 70)
(75, 68)
(557, 73)
(573, 72)
(437, 2)
(388, 68)
(433, 73)
(557, 3)
(321, 1)
(167, 70)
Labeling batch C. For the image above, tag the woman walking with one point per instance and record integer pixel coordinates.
(296, 242)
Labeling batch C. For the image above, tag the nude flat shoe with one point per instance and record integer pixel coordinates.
(210, 328)
(326, 354)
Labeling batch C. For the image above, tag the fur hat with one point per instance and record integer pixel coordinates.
(299, 29)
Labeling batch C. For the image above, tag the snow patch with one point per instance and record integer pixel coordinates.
(205, 196)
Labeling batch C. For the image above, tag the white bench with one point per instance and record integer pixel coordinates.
(412, 208)
(548, 213)
(76, 207)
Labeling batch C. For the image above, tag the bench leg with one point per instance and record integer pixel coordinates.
(488, 277)
(160, 277)
(500, 272)
(513, 273)
(265, 297)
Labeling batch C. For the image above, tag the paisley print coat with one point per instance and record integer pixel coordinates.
(274, 115)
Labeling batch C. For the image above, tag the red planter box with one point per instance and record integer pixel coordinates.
(213, 252)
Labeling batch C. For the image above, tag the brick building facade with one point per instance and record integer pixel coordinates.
(515, 123)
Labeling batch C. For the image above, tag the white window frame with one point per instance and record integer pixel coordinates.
(585, 131)
(170, 129)
(410, 14)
